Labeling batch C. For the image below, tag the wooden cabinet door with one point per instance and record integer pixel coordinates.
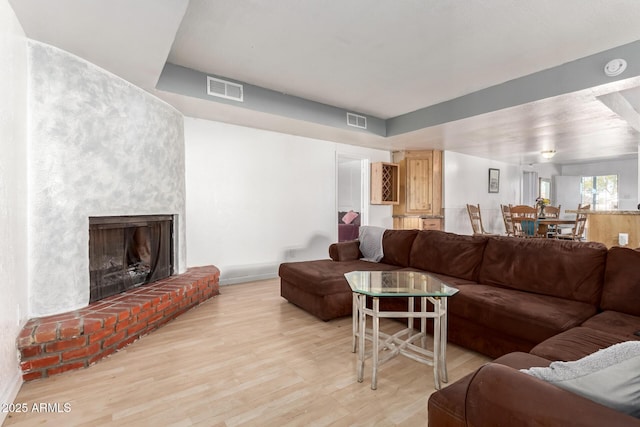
(419, 184)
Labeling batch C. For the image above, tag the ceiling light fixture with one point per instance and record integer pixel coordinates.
(547, 154)
(615, 67)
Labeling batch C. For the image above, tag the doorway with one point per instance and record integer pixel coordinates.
(529, 187)
(352, 183)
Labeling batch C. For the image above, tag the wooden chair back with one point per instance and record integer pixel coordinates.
(581, 223)
(508, 222)
(577, 231)
(476, 221)
(524, 220)
(552, 211)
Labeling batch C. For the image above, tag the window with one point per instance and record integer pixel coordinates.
(545, 188)
(601, 192)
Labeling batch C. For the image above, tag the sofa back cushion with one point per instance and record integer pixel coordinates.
(571, 270)
(447, 253)
(396, 246)
(621, 290)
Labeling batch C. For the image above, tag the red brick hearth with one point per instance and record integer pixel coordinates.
(55, 344)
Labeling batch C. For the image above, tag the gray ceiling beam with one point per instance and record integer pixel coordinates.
(583, 73)
(189, 82)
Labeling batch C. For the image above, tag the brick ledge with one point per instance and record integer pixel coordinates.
(54, 344)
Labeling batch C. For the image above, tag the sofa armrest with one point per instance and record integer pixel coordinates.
(345, 251)
(502, 396)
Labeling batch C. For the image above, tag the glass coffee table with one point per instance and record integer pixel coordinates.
(408, 342)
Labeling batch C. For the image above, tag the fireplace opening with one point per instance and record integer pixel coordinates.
(128, 251)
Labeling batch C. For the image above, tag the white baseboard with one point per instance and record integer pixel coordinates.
(9, 392)
(232, 274)
(249, 278)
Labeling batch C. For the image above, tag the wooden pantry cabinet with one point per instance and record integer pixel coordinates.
(420, 195)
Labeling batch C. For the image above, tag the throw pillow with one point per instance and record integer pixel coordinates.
(610, 376)
(349, 217)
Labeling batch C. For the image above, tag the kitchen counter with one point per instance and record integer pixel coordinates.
(609, 227)
(590, 212)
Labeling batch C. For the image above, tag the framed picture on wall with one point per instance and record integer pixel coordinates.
(494, 180)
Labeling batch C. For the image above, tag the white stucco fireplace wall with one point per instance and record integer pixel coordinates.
(98, 146)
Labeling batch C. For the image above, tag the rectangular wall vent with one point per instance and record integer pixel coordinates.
(224, 89)
(356, 121)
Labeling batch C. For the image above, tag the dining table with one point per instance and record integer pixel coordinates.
(545, 223)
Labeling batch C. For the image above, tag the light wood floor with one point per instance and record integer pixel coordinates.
(244, 358)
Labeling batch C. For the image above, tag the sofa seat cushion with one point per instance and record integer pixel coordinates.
(616, 323)
(325, 276)
(528, 316)
(575, 344)
(570, 270)
(446, 407)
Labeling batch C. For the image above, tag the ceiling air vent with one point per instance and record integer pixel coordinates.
(356, 121)
(224, 89)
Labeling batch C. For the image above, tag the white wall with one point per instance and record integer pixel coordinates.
(13, 198)
(627, 171)
(257, 198)
(545, 170)
(97, 146)
(566, 189)
(466, 181)
(548, 171)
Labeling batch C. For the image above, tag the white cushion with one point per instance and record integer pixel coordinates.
(371, 243)
(610, 376)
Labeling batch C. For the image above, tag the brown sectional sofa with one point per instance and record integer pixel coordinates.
(525, 301)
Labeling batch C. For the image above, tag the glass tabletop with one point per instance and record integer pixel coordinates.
(398, 284)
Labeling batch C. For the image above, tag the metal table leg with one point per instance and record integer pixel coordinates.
(354, 323)
(443, 339)
(361, 335)
(376, 342)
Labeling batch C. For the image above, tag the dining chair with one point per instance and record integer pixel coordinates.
(476, 221)
(525, 220)
(508, 222)
(552, 212)
(577, 231)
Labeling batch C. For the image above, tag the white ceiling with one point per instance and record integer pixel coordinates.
(383, 58)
